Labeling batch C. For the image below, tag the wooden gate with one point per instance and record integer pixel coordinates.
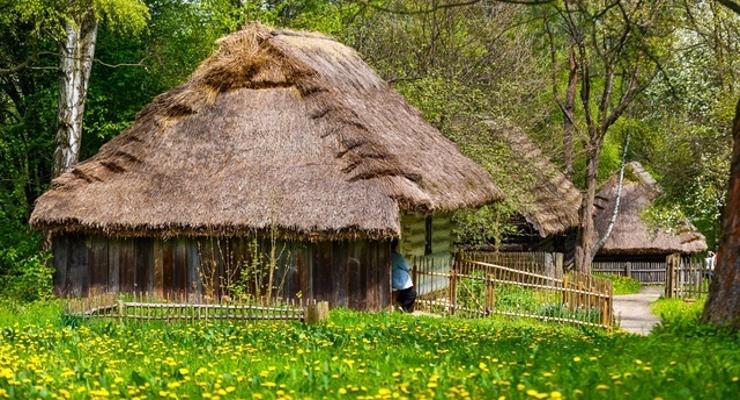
(686, 277)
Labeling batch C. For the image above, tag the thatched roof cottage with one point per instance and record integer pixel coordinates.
(632, 237)
(546, 202)
(279, 135)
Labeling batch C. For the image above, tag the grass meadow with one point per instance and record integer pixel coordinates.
(357, 355)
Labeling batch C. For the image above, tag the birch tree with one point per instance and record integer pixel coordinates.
(73, 26)
(79, 24)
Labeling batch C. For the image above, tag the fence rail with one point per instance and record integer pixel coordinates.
(534, 262)
(474, 288)
(156, 309)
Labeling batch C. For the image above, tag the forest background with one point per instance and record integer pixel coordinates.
(459, 63)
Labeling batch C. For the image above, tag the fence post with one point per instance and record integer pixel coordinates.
(489, 294)
(453, 286)
(549, 265)
(317, 312)
(121, 308)
(671, 281)
(559, 265)
(628, 269)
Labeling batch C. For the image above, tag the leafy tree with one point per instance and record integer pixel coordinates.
(73, 26)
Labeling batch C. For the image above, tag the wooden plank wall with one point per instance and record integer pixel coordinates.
(354, 274)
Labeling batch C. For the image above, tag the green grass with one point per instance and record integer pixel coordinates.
(355, 355)
(622, 284)
(678, 310)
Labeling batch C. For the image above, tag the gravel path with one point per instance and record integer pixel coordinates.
(635, 310)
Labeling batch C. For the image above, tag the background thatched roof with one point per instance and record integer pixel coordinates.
(276, 129)
(632, 234)
(546, 198)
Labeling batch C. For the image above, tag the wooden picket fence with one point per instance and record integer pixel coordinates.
(151, 308)
(686, 277)
(473, 288)
(646, 272)
(533, 262)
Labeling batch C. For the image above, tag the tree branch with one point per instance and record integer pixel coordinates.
(138, 64)
(731, 5)
(443, 6)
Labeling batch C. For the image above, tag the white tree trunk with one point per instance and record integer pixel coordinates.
(76, 55)
(617, 202)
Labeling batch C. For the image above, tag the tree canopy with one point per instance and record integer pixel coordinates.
(458, 62)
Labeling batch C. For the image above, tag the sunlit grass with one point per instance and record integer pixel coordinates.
(354, 355)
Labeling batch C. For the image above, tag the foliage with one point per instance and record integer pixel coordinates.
(516, 298)
(683, 319)
(457, 65)
(353, 354)
(29, 278)
(130, 70)
(622, 284)
(675, 311)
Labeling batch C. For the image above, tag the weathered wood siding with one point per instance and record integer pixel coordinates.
(354, 274)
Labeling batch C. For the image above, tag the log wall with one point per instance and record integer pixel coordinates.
(354, 274)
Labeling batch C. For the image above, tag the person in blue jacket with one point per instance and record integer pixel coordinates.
(401, 279)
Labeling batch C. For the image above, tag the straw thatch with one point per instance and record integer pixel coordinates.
(279, 130)
(546, 198)
(631, 233)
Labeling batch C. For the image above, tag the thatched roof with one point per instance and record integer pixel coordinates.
(276, 130)
(631, 233)
(546, 198)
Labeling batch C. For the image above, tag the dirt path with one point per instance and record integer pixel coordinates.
(635, 310)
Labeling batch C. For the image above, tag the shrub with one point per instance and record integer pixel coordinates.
(26, 278)
(516, 298)
(622, 284)
(471, 292)
(683, 318)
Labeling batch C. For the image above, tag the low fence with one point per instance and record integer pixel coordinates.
(646, 272)
(683, 276)
(534, 262)
(686, 277)
(149, 308)
(473, 288)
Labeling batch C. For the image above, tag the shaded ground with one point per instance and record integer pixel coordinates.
(635, 310)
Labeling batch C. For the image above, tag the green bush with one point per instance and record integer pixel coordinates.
(471, 292)
(622, 284)
(26, 278)
(516, 298)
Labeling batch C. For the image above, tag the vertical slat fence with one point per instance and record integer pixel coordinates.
(473, 288)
